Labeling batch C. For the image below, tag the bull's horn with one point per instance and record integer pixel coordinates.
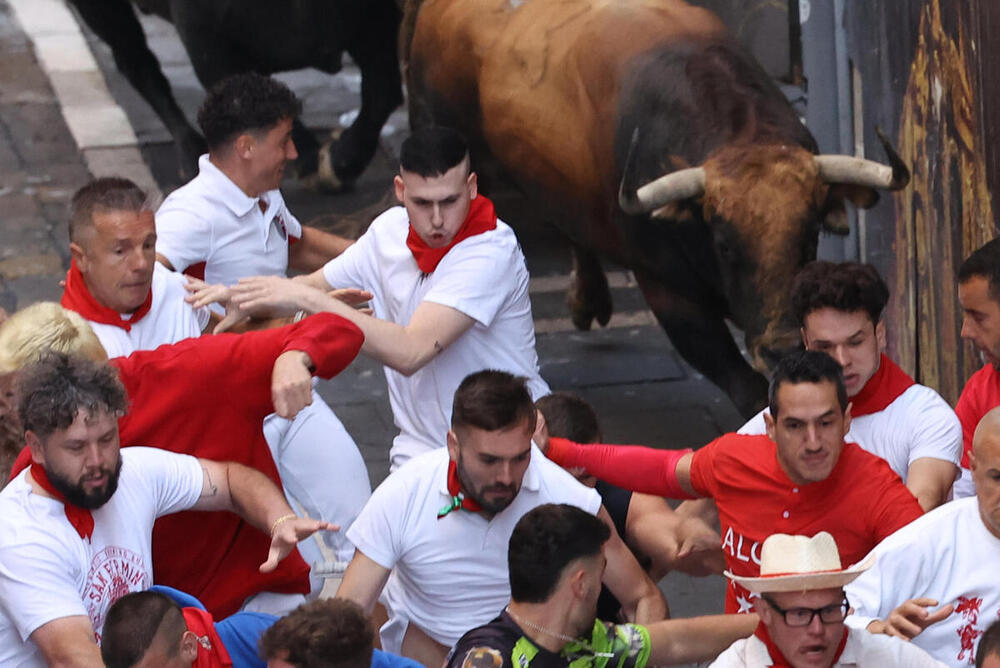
(682, 184)
(861, 172)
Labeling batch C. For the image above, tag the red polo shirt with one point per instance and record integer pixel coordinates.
(979, 396)
(208, 397)
(860, 503)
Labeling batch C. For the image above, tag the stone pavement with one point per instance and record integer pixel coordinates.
(40, 168)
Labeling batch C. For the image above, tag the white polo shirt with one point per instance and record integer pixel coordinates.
(862, 650)
(170, 319)
(948, 555)
(918, 423)
(484, 277)
(48, 572)
(211, 220)
(450, 574)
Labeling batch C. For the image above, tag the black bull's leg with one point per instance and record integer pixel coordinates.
(706, 344)
(115, 22)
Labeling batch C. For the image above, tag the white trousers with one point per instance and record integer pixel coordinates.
(322, 471)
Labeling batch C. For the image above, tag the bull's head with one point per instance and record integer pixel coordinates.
(765, 205)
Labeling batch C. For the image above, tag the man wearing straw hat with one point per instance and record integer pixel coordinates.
(802, 606)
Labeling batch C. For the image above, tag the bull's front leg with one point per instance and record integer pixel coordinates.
(705, 342)
(115, 22)
(588, 297)
(374, 50)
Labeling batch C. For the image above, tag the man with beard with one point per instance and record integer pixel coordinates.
(556, 559)
(76, 526)
(439, 525)
(979, 294)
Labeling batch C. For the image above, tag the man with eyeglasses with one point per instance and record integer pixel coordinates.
(802, 608)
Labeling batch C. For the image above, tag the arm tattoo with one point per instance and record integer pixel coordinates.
(211, 487)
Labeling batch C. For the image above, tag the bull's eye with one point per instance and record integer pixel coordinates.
(727, 252)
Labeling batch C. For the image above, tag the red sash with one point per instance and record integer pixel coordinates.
(81, 518)
(778, 659)
(881, 389)
(458, 499)
(211, 652)
(482, 217)
(76, 297)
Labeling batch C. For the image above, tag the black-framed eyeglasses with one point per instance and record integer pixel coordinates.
(830, 614)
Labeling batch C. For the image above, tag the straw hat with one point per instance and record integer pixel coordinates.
(800, 563)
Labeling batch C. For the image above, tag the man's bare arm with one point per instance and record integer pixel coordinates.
(930, 480)
(165, 262)
(68, 642)
(315, 248)
(641, 599)
(251, 495)
(404, 348)
(363, 581)
(696, 639)
(670, 540)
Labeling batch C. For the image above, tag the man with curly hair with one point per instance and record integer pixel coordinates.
(840, 307)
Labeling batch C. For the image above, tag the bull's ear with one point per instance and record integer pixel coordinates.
(835, 218)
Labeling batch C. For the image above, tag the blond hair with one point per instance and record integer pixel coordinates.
(33, 331)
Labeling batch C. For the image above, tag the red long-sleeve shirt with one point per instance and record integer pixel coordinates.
(208, 397)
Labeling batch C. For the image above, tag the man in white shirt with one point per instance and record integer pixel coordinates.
(449, 286)
(76, 526)
(134, 303)
(435, 533)
(802, 608)
(946, 558)
(910, 426)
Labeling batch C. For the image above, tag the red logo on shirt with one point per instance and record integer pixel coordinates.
(968, 633)
(114, 572)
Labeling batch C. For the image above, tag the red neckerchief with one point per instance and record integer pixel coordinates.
(778, 659)
(482, 217)
(458, 498)
(81, 518)
(882, 389)
(211, 652)
(76, 297)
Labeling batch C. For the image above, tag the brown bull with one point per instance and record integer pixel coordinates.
(581, 101)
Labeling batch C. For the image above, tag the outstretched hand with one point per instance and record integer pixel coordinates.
(286, 536)
(909, 619)
(699, 553)
(202, 294)
(272, 295)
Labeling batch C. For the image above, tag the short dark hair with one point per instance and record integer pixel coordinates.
(806, 366)
(108, 193)
(984, 262)
(569, 416)
(842, 286)
(247, 102)
(546, 540)
(989, 644)
(492, 401)
(432, 151)
(56, 387)
(325, 633)
(134, 621)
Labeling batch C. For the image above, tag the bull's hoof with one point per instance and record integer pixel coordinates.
(324, 179)
(583, 311)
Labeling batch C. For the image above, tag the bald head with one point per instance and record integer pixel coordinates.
(987, 433)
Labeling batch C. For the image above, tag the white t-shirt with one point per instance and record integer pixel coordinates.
(918, 423)
(47, 571)
(863, 650)
(211, 220)
(449, 575)
(170, 319)
(948, 555)
(484, 277)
